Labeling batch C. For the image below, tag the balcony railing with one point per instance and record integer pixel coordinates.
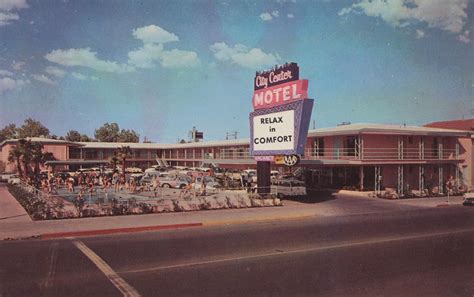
(366, 154)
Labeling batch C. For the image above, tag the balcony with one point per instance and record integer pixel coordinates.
(383, 154)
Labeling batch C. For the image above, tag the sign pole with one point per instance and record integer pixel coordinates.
(263, 177)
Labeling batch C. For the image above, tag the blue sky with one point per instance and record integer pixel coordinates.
(162, 67)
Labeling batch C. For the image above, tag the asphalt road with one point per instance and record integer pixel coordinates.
(425, 252)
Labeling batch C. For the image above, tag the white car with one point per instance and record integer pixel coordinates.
(4, 177)
(14, 179)
(288, 187)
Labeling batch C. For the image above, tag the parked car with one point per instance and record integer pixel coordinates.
(274, 174)
(174, 182)
(211, 182)
(288, 187)
(5, 176)
(133, 170)
(468, 199)
(14, 179)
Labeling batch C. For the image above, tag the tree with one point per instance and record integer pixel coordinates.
(128, 136)
(113, 161)
(122, 154)
(112, 133)
(73, 135)
(8, 132)
(14, 156)
(39, 157)
(107, 133)
(32, 128)
(85, 138)
(26, 149)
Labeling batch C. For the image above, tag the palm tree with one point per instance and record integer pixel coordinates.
(113, 161)
(39, 157)
(14, 156)
(26, 148)
(123, 153)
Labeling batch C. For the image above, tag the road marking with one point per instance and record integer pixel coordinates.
(116, 280)
(52, 265)
(313, 249)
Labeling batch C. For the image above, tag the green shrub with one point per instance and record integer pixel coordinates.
(33, 205)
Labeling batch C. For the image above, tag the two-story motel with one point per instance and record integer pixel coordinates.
(366, 156)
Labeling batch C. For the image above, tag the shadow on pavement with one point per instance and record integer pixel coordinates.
(315, 196)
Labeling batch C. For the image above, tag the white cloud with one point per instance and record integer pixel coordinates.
(154, 34)
(290, 15)
(254, 58)
(55, 71)
(18, 65)
(13, 4)
(149, 54)
(446, 15)
(286, 1)
(420, 34)
(6, 18)
(5, 73)
(44, 79)
(176, 58)
(79, 76)
(145, 56)
(6, 6)
(9, 84)
(268, 16)
(86, 58)
(464, 37)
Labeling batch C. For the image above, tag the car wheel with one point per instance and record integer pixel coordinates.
(182, 186)
(166, 186)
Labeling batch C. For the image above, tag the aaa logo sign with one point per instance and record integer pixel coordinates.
(288, 160)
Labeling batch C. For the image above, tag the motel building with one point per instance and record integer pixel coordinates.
(357, 156)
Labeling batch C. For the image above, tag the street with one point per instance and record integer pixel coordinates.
(414, 252)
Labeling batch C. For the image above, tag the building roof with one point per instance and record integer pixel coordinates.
(467, 125)
(386, 129)
(203, 144)
(42, 140)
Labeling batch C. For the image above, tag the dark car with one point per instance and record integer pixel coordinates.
(468, 199)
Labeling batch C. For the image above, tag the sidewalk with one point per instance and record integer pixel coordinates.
(17, 223)
(10, 209)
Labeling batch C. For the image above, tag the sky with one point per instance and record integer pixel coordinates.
(162, 67)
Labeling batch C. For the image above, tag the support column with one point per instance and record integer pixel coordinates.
(421, 179)
(263, 177)
(440, 179)
(421, 148)
(400, 148)
(378, 179)
(357, 147)
(456, 172)
(400, 184)
(361, 176)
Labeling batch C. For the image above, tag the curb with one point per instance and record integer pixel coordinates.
(115, 231)
(270, 219)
